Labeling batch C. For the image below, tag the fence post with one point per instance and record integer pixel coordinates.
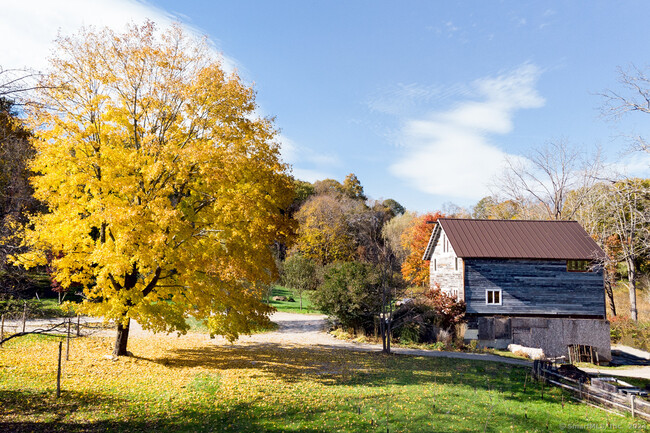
(580, 387)
(24, 314)
(2, 328)
(58, 372)
(632, 405)
(67, 343)
(78, 317)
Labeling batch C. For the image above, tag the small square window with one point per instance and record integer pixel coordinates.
(577, 265)
(493, 297)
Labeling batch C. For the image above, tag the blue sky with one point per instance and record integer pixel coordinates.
(421, 99)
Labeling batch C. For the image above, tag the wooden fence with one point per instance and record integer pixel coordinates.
(631, 403)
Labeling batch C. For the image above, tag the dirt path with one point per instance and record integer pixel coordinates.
(309, 330)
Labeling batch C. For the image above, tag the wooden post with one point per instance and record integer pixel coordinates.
(67, 343)
(58, 372)
(2, 328)
(78, 318)
(24, 314)
(580, 387)
(632, 405)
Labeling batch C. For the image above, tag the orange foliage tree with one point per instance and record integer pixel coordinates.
(415, 239)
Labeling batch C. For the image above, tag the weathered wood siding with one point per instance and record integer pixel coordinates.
(445, 268)
(533, 287)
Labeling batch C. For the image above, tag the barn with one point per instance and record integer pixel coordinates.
(533, 283)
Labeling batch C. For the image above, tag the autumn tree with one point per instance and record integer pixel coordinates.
(16, 195)
(392, 233)
(629, 218)
(490, 207)
(324, 228)
(352, 187)
(164, 188)
(415, 239)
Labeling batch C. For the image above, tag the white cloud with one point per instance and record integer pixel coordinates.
(30, 26)
(448, 153)
(294, 154)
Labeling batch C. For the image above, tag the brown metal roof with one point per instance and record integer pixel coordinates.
(519, 239)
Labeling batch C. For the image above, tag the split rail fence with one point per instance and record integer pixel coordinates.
(612, 401)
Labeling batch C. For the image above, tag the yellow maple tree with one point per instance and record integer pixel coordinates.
(165, 190)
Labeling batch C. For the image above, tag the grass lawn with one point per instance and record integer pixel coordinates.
(190, 384)
(293, 307)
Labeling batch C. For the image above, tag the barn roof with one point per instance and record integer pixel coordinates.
(516, 239)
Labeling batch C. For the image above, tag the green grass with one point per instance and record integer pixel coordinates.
(44, 308)
(293, 307)
(190, 385)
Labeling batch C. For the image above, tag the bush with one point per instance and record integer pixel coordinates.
(351, 293)
(430, 319)
(630, 333)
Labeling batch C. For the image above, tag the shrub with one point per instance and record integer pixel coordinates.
(630, 333)
(351, 293)
(435, 317)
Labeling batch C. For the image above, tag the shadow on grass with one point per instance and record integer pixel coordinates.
(337, 366)
(42, 412)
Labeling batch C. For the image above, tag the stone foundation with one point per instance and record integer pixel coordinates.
(552, 335)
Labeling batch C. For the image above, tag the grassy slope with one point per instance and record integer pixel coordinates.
(189, 385)
(293, 307)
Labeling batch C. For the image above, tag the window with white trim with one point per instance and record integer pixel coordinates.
(493, 297)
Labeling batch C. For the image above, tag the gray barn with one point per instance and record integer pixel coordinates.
(533, 283)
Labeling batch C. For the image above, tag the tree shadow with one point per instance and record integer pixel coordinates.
(27, 412)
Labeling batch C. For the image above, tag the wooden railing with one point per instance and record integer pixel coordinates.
(599, 397)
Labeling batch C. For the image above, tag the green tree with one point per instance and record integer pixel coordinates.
(300, 273)
(394, 207)
(351, 292)
(165, 190)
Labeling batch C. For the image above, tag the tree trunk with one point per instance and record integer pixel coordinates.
(631, 276)
(121, 339)
(388, 330)
(609, 291)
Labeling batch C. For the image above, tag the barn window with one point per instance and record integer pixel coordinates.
(444, 243)
(493, 297)
(456, 263)
(435, 265)
(577, 265)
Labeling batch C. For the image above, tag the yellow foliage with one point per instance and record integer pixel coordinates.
(164, 187)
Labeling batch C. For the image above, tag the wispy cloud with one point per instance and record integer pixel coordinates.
(449, 153)
(299, 157)
(402, 99)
